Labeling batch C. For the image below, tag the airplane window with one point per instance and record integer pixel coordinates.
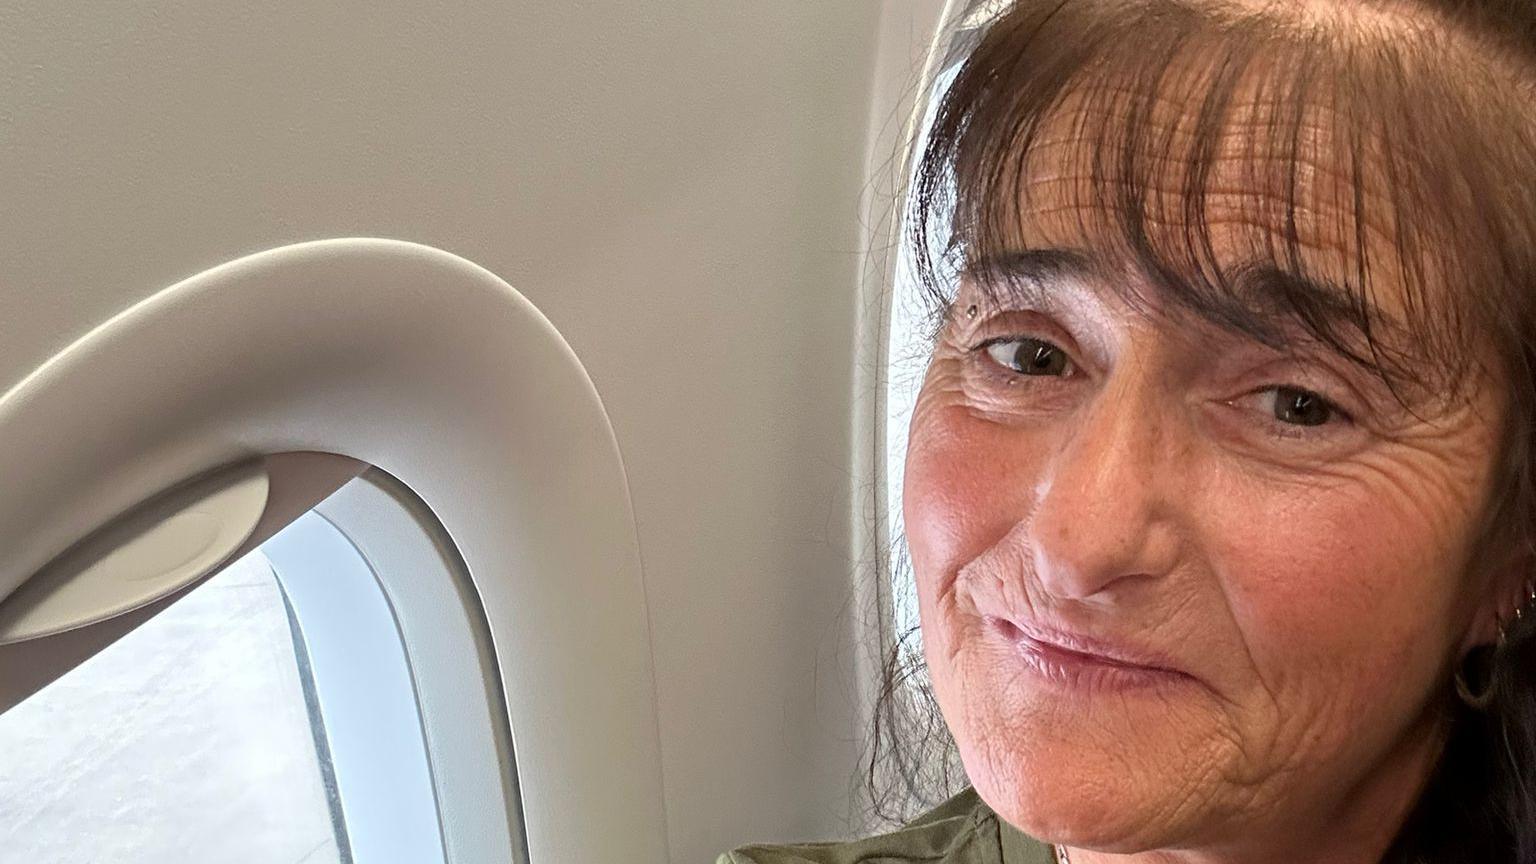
(908, 347)
(192, 738)
(267, 716)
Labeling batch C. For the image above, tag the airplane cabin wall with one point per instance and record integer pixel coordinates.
(680, 186)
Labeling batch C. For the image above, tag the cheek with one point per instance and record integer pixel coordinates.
(966, 485)
(1343, 593)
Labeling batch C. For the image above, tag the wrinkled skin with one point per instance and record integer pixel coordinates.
(1310, 583)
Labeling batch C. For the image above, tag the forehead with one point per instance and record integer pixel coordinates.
(1271, 180)
(1190, 188)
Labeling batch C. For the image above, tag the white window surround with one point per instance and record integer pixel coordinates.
(475, 776)
(363, 684)
(385, 352)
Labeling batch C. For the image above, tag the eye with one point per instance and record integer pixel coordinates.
(1297, 407)
(1028, 356)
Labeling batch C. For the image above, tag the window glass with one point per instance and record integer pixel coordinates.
(908, 349)
(192, 738)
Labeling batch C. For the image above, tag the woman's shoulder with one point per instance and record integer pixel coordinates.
(962, 830)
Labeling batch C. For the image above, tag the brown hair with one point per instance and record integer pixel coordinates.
(1432, 143)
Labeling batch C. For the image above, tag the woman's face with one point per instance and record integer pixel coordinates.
(1178, 589)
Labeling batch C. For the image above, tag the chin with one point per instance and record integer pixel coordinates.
(1073, 792)
(1099, 762)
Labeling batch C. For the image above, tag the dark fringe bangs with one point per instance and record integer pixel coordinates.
(1326, 125)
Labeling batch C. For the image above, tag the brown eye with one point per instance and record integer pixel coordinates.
(1028, 356)
(1301, 407)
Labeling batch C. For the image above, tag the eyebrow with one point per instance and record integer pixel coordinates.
(1036, 265)
(1268, 297)
(1265, 297)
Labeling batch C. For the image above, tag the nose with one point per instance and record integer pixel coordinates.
(1103, 506)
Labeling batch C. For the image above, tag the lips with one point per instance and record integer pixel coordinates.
(1065, 655)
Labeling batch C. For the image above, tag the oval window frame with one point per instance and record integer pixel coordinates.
(439, 374)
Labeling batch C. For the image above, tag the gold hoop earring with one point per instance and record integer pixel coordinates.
(1481, 699)
(1486, 658)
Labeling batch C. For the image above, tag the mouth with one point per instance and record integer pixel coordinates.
(1078, 661)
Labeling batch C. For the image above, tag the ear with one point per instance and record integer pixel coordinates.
(1504, 592)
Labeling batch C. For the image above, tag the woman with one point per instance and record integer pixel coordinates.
(1218, 492)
